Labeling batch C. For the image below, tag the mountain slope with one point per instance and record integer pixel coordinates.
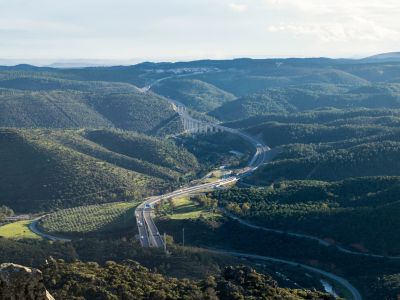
(383, 57)
(328, 144)
(132, 281)
(44, 169)
(136, 111)
(195, 94)
(31, 81)
(360, 213)
(309, 97)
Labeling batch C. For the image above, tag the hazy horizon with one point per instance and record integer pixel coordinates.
(44, 31)
(82, 62)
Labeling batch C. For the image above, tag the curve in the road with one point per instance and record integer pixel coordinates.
(343, 282)
(150, 237)
(304, 236)
(33, 227)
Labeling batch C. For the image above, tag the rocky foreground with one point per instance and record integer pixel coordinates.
(21, 283)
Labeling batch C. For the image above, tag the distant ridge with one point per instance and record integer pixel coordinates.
(384, 57)
(20, 67)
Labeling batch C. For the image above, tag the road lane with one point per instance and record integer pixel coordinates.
(33, 227)
(340, 280)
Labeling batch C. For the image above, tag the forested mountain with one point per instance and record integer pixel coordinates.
(193, 93)
(31, 81)
(303, 98)
(327, 144)
(369, 159)
(132, 281)
(29, 100)
(239, 76)
(47, 169)
(72, 109)
(72, 140)
(327, 116)
(383, 57)
(359, 213)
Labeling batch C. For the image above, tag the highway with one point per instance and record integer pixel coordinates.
(150, 236)
(258, 159)
(148, 232)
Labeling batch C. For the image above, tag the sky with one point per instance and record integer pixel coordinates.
(172, 30)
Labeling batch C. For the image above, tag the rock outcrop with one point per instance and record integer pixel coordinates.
(22, 283)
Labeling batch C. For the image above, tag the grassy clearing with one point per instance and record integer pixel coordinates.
(184, 208)
(214, 176)
(91, 219)
(18, 230)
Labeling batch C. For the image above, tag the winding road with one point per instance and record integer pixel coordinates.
(33, 227)
(150, 236)
(356, 294)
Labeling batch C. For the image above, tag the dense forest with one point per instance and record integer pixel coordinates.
(359, 212)
(309, 97)
(132, 281)
(49, 169)
(327, 144)
(193, 93)
(29, 100)
(88, 144)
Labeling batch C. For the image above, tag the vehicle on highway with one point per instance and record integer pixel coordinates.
(147, 205)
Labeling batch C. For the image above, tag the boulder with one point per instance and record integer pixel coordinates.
(22, 283)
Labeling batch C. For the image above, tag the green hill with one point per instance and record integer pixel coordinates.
(361, 213)
(162, 153)
(30, 81)
(309, 97)
(371, 159)
(43, 169)
(278, 134)
(195, 94)
(241, 82)
(327, 144)
(112, 218)
(325, 116)
(132, 281)
(30, 100)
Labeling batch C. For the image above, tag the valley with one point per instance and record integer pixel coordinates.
(301, 171)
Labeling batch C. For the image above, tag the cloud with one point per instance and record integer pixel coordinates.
(238, 7)
(338, 21)
(379, 11)
(357, 30)
(40, 27)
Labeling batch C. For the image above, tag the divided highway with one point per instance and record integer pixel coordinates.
(150, 236)
(148, 232)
